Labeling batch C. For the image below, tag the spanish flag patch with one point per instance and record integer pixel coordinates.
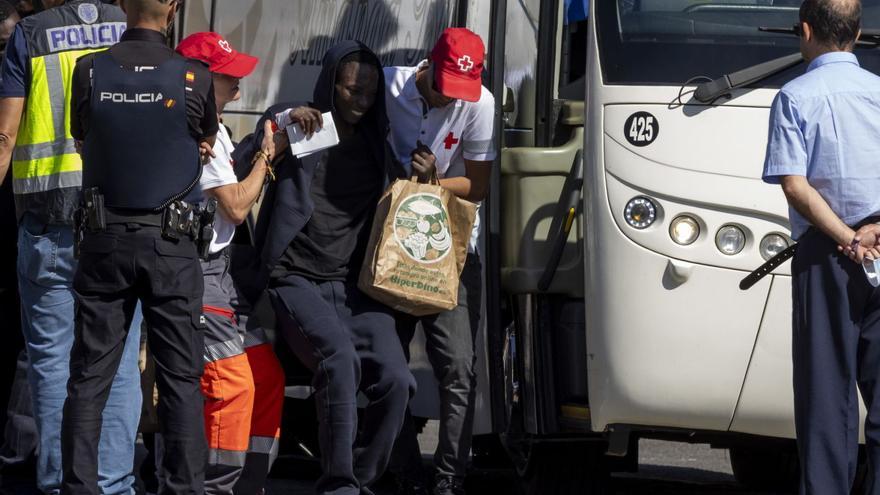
(169, 103)
(190, 77)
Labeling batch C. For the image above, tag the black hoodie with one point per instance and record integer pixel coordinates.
(288, 205)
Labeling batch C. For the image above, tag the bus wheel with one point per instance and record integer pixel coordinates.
(766, 468)
(563, 468)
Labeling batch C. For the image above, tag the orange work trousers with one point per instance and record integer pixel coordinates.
(243, 389)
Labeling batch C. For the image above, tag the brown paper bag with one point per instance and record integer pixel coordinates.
(418, 247)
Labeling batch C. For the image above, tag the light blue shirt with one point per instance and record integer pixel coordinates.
(825, 125)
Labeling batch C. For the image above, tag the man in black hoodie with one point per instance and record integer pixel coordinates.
(312, 233)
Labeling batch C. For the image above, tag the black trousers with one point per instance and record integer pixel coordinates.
(835, 350)
(118, 267)
(350, 343)
(20, 433)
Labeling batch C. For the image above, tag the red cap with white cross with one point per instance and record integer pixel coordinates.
(458, 64)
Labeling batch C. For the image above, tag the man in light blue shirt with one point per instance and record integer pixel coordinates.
(824, 149)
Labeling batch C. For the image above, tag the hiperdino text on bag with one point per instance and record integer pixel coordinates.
(417, 248)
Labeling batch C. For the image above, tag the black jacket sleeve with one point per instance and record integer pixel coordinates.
(80, 92)
(201, 108)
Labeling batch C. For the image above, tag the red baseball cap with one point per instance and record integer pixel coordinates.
(215, 51)
(458, 64)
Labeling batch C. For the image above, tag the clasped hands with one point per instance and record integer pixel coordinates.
(865, 244)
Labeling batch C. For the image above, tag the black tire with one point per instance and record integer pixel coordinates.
(773, 468)
(564, 468)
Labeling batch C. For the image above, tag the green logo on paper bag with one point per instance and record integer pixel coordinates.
(421, 228)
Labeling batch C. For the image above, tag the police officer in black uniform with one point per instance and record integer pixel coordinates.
(141, 117)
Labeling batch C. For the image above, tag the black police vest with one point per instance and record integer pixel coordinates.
(138, 149)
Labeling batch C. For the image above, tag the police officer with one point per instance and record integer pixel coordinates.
(19, 434)
(46, 174)
(822, 149)
(141, 112)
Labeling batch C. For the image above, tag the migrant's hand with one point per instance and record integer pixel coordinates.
(424, 163)
(308, 118)
(206, 152)
(865, 243)
(78, 144)
(281, 141)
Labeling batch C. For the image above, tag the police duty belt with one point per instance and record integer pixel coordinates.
(765, 269)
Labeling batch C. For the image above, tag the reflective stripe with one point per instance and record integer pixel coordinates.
(45, 183)
(263, 445)
(36, 123)
(478, 147)
(46, 166)
(43, 150)
(226, 457)
(57, 100)
(255, 337)
(223, 350)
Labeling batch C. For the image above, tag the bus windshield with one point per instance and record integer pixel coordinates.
(669, 42)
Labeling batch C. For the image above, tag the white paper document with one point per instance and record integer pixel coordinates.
(302, 145)
(872, 271)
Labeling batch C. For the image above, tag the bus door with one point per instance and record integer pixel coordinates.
(538, 231)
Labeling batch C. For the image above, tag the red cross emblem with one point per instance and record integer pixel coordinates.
(450, 141)
(465, 63)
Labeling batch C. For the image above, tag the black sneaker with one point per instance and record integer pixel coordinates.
(448, 485)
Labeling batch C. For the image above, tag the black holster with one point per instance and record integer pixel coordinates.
(89, 217)
(206, 227)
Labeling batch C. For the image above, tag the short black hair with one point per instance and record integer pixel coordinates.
(7, 10)
(835, 23)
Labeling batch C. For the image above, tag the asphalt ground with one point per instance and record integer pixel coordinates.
(665, 468)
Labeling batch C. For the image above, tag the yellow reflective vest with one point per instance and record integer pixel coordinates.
(46, 169)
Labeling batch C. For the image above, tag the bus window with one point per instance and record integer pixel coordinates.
(573, 66)
(672, 41)
(573, 60)
(520, 64)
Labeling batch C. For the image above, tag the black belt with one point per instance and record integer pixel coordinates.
(215, 256)
(765, 269)
(115, 216)
(771, 264)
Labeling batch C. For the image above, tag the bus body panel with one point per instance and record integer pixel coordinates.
(766, 406)
(670, 340)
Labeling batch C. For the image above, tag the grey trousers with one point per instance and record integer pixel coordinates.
(450, 343)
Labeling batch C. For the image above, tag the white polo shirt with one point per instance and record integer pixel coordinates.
(218, 173)
(460, 131)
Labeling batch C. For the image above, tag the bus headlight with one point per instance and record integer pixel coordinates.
(773, 244)
(684, 230)
(730, 240)
(640, 213)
